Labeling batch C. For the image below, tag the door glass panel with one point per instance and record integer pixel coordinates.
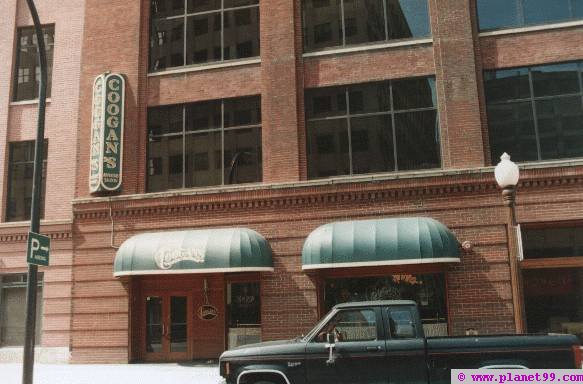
(178, 328)
(153, 324)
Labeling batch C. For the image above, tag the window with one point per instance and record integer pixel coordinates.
(535, 113)
(27, 72)
(554, 300)
(401, 323)
(204, 144)
(499, 14)
(552, 242)
(20, 179)
(13, 309)
(186, 32)
(244, 306)
(338, 23)
(372, 127)
(427, 290)
(351, 325)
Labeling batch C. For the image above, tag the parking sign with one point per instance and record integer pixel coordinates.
(38, 249)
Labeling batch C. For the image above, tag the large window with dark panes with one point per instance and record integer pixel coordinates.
(535, 113)
(187, 32)
(428, 290)
(13, 309)
(374, 127)
(27, 69)
(500, 14)
(203, 144)
(553, 279)
(339, 23)
(244, 313)
(20, 179)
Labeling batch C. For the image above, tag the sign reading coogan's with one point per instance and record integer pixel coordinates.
(107, 133)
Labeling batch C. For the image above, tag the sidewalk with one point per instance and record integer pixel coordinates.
(114, 374)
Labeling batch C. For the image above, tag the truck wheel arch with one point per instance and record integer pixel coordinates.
(270, 372)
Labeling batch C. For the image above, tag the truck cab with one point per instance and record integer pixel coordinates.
(383, 342)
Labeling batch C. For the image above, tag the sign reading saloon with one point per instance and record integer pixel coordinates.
(107, 133)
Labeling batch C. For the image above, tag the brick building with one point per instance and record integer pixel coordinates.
(280, 157)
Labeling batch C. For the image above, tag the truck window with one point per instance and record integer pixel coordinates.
(402, 323)
(351, 325)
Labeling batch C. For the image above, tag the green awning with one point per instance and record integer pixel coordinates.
(394, 241)
(195, 251)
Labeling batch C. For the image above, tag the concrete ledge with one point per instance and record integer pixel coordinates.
(59, 355)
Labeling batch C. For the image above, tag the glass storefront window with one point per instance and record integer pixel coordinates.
(554, 300)
(244, 319)
(427, 290)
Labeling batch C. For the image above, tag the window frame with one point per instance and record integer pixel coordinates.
(184, 134)
(392, 112)
(185, 15)
(532, 100)
(343, 35)
(521, 19)
(50, 49)
(574, 261)
(9, 184)
(40, 302)
(381, 335)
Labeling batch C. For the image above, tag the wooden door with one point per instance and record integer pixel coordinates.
(167, 318)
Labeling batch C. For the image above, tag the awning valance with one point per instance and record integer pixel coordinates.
(194, 251)
(393, 241)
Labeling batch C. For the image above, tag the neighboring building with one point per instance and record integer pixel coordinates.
(19, 83)
(280, 157)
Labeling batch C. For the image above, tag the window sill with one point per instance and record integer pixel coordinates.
(18, 224)
(206, 67)
(369, 47)
(534, 28)
(28, 102)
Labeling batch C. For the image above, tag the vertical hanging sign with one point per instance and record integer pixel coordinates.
(107, 133)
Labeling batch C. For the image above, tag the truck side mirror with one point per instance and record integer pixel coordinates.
(330, 344)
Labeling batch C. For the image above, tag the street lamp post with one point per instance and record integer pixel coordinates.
(507, 174)
(31, 288)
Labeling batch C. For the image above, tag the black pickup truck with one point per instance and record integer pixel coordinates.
(383, 342)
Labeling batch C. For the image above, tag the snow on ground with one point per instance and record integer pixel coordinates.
(114, 374)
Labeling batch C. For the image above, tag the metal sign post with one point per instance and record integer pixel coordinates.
(31, 288)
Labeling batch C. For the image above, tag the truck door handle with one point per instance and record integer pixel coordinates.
(374, 349)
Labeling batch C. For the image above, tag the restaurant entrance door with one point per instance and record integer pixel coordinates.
(167, 320)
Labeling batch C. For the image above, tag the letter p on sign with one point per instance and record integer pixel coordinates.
(38, 249)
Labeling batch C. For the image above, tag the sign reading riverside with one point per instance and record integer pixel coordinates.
(107, 133)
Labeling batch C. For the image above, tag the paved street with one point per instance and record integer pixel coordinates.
(113, 374)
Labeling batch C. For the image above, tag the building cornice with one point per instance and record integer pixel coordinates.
(359, 189)
(18, 232)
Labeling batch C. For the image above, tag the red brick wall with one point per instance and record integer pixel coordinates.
(56, 298)
(469, 203)
(19, 122)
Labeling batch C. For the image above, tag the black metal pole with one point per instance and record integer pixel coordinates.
(31, 288)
